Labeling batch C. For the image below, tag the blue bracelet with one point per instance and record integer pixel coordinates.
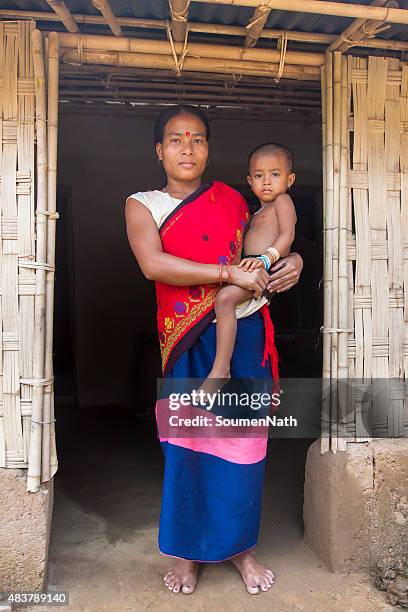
(265, 260)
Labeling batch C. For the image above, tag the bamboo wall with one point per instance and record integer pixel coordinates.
(17, 240)
(366, 230)
(365, 150)
(26, 429)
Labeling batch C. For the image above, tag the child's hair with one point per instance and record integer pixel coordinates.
(273, 147)
(173, 111)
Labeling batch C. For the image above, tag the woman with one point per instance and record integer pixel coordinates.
(181, 236)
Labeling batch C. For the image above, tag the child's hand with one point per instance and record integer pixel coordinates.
(250, 263)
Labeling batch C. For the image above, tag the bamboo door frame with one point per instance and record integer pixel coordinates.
(335, 88)
(42, 456)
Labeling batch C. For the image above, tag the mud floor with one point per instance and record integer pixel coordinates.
(103, 548)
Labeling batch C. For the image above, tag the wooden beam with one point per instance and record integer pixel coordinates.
(179, 15)
(188, 77)
(196, 50)
(206, 28)
(104, 7)
(145, 110)
(387, 45)
(60, 8)
(194, 97)
(253, 91)
(322, 7)
(256, 25)
(166, 62)
(359, 29)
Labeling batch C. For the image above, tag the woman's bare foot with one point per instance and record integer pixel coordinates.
(183, 575)
(253, 574)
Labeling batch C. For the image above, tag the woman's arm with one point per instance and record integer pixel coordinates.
(146, 245)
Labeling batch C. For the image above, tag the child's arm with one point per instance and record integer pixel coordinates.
(286, 213)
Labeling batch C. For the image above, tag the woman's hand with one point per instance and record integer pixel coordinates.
(285, 273)
(252, 281)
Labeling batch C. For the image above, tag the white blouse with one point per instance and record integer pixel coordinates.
(161, 204)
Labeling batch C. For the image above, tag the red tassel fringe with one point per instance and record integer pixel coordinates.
(270, 348)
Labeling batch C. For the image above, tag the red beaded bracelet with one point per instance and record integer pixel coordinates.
(229, 273)
(220, 271)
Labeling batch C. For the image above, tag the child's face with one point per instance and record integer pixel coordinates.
(269, 175)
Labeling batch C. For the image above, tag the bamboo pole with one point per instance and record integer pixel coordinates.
(145, 60)
(49, 462)
(179, 15)
(207, 28)
(334, 236)
(150, 111)
(64, 14)
(104, 7)
(327, 262)
(343, 314)
(324, 439)
(262, 100)
(256, 25)
(322, 7)
(34, 452)
(359, 29)
(196, 50)
(254, 102)
(188, 76)
(248, 91)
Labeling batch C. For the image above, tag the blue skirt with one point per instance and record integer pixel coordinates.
(212, 489)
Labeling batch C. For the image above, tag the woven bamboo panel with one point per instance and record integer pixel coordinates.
(377, 347)
(17, 243)
(366, 249)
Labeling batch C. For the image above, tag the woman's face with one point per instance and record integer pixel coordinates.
(184, 149)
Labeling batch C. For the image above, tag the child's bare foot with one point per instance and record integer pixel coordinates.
(215, 381)
(183, 575)
(253, 574)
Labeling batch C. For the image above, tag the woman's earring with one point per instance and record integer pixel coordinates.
(207, 162)
(160, 161)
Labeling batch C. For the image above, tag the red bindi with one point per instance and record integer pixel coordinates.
(188, 134)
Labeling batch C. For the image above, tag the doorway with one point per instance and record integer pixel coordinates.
(109, 435)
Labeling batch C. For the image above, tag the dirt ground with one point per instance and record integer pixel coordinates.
(103, 548)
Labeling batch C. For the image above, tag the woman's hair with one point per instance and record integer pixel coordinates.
(172, 111)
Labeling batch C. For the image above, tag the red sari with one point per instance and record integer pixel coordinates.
(192, 231)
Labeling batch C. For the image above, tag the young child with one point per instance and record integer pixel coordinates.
(268, 237)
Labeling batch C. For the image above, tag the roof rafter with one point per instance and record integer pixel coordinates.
(104, 7)
(256, 25)
(179, 16)
(63, 12)
(360, 29)
(322, 7)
